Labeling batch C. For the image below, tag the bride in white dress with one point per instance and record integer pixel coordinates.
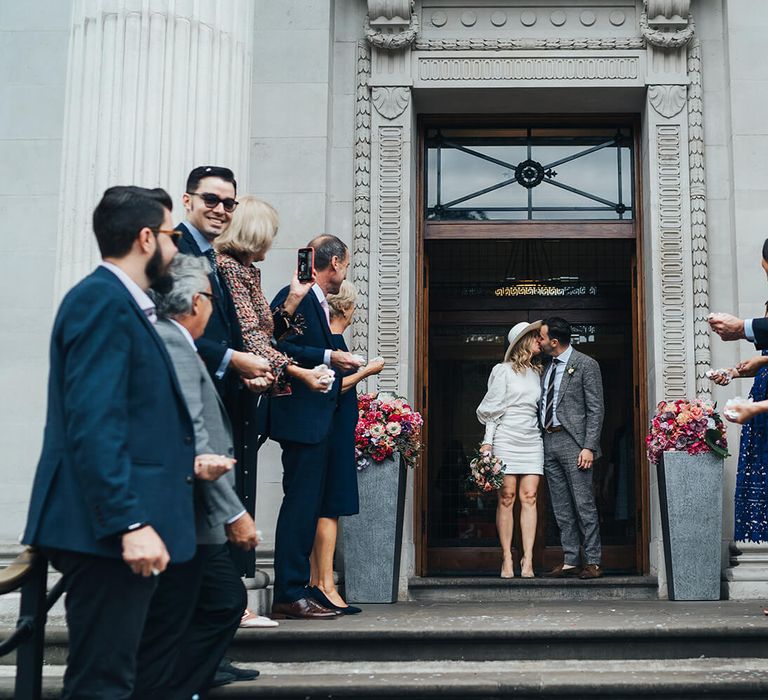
(509, 412)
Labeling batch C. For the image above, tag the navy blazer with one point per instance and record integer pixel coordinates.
(304, 416)
(118, 447)
(223, 329)
(760, 329)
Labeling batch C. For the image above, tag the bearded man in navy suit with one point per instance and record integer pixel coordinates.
(301, 423)
(112, 500)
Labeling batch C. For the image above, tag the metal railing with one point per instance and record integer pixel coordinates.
(29, 573)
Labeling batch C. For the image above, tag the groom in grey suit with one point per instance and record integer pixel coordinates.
(197, 606)
(571, 413)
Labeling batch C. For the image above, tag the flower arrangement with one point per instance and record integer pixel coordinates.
(386, 424)
(486, 472)
(692, 426)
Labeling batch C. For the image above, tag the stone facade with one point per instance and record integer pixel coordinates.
(316, 108)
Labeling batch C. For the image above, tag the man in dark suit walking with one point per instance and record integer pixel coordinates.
(112, 498)
(209, 202)
(571, 415)
(301, 423)
(197, 606)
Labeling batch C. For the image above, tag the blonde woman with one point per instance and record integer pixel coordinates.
(340, 495)
(509, 412)
(245, 242)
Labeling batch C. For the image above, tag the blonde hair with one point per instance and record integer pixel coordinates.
(522, 356)
(252, 229)
(339, 303)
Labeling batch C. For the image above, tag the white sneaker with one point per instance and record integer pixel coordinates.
(251, 620)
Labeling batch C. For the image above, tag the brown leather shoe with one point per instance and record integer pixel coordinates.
(560, 572)
(303, 609)
(591, 571)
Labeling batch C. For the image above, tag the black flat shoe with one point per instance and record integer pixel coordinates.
(321, 598)
(226, 667)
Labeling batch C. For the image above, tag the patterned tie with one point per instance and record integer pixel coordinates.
(549, 403)
(211, 255)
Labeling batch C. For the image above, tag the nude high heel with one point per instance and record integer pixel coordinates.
(523, 572)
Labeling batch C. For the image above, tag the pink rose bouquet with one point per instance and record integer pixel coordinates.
(386, 424)
(486, 472)
(691, 426)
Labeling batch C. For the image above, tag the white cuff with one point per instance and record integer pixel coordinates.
(236, 518)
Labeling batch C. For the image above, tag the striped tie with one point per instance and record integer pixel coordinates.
(211, 255)
(549, 403)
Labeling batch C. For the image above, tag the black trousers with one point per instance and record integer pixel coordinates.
(106, 605)
(192, 619)
(304, 470)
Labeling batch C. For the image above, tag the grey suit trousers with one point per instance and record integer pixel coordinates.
(570, 491)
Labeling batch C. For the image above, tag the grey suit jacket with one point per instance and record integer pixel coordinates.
(215, 501)
(580, 407)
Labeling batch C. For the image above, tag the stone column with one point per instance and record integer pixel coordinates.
(154, 87)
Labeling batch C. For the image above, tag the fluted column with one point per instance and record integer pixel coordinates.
(154, 87)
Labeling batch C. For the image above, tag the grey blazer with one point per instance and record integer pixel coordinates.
(580, 407)
(215, 501)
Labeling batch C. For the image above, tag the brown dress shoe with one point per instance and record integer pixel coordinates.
(560, 572)
(591, 571)
(302, 609)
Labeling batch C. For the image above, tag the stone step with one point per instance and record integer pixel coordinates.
(681, 678)
(488, 589)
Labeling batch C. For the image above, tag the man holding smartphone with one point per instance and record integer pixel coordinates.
(301, 423)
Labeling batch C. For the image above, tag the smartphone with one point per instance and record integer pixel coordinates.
(306, 264)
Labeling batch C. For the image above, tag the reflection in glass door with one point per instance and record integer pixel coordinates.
(477, 290)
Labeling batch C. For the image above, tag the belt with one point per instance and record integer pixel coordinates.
(553, 429)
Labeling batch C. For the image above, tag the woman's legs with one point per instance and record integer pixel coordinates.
(321, 559)
(529, 487)
(505, 522)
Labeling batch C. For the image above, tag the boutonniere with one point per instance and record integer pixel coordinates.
(571, 370)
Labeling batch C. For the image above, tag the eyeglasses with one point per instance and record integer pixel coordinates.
(212, 201)
(211, 297)
(175, 235)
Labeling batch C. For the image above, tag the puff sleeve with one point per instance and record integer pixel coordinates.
(494, 404)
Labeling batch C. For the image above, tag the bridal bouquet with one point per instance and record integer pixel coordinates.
(386, 424)
(486, 472)
(693, 426)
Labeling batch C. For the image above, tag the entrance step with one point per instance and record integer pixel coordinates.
(487, 589)
(687, 678)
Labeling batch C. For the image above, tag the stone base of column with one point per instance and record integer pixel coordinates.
(747, 576)
(259, 593)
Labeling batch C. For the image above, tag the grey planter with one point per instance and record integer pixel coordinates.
(373, 538)
(691, 499)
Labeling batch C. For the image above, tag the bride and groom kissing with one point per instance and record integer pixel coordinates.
(543, 415)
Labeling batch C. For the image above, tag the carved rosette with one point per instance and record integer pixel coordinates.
(390, 102)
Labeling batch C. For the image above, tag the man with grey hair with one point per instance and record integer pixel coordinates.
(197, 606)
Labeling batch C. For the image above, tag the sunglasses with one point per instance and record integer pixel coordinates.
(211, 297)
(175, 235)
(212, 201)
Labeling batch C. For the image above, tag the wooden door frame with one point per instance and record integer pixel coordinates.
(531, 229)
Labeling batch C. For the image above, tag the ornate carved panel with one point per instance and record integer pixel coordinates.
(671, 277)
(667, 100)
(390, 216)
(390, 102)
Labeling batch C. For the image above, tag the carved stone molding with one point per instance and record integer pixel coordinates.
(667, 100)
(388, 13)
(361, 250)
(672, 271)
(553, 44)
(390, 221)
(667, 38)
(390, 102)
(667, 12)
(579, 68)
(384, 11)
(698, 190)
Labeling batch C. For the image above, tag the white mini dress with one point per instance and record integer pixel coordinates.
(509, 412)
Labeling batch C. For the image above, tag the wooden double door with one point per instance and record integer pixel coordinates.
(475, 291)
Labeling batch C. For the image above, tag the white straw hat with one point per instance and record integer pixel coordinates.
(517, 333)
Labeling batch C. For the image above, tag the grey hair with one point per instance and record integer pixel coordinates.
(190, 277)
(326, 248)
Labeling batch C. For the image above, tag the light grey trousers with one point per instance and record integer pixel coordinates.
(570, 491)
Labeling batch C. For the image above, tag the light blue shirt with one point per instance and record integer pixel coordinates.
(139, 295)
(205, 245)
(748, 334)
(559, 367)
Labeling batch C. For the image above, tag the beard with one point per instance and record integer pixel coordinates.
(160, 279)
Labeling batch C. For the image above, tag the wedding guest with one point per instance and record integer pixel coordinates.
(340, 490)
(245, 242)
(112, 501)
(572, 418)
(509, 413)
